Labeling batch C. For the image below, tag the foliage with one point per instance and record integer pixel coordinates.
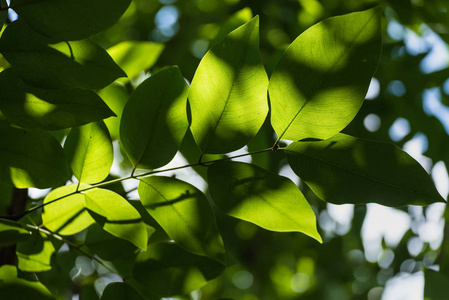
(129, 104)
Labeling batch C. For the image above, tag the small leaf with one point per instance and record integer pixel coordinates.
(68, 20)
(116, 216)
(31, 107)
(89, 151)
(228, 95)
(3, 13)
(253, 194)
(346, 169)
(115, 96)
(321, 80)
(154, 120)
(66, 215)
(11, 233)
(34, 254)
(31, 158)
(41, 62)
(165, 270)
(135, 56)
(119, 291)
(14, 287)
(184, 213)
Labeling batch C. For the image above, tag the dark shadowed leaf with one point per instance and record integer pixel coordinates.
(41, 62)
(228, 95)
(345, 169)
(30, 107)
(166, 269)
(89, 152)
(253, 194)
(3, 13)
(14, 287)
(34, 254)
(154, 119)
(184, 213)
(68, 20)
(321, 80)
(31, 158)
(120, 291)
(12, 233)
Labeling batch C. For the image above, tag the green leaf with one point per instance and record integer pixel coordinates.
(228, 95)
(184, 213)
(14, 287)
(237, 19)
(31, 107)
(154, 120)
(135, 56)
(345, 169)
(89, 151)
(253, 194)
(165, 269)
(41, 62)
(436, 285)
(66, 215)
(3, 13)
(68, 20)
(31, 158)
(119, 291)
(34, 254)
(115, 95)
(11, 233)
(116, 216)
(321, 80)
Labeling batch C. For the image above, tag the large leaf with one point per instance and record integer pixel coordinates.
(228, 95)
(31, 107)
(14, 287)
(31, 158)
(345, 169)
(322, 79)
(11, 233)
(89, 151)
(119, 291)
(165, 269)
(115, 95)
(253, 194)
(116, 216)
(184, 213)
(34, 254)
(66, 215)
(3, 13)
(68, 20)
(135, 56)
(41, 62)
(154, 120)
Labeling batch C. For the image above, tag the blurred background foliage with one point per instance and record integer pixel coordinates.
(408, 104)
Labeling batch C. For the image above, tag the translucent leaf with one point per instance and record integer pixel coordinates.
(135, 56)
(237, 19)
(31, 158)
(14, 287)
(116, 216)
(165, 269)
(253, 194)
(34, 254)
(12, 233)
(119, 291)
(41, 62)
(115, 95)
(66, 215)
(68, 20)
(3, 13)
(184, 213)
(321, 80)
(31, 107)
(345, 169)
(89, 151)
(228, 95)
(154, 120)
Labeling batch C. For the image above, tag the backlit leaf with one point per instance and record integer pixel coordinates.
(154, 120)
(345, 169)
(135, 56)
(89, 151)
(228, 95)
(116, 216)
(14, 287)
(184, 213)
(31, 158)
(41, 62)
(115, 96)
(68, 20)
(253, 194)
(12, 233)
(30, 107)
(34, 254)
(321, 80)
